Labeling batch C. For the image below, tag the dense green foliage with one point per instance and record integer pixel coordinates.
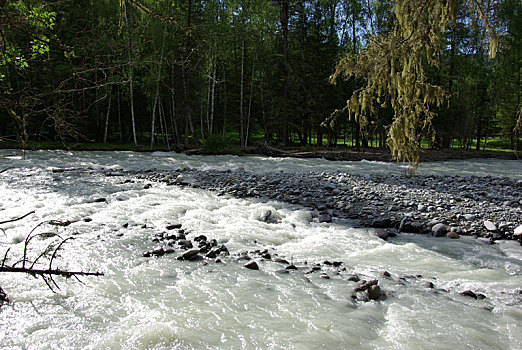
(176, 73)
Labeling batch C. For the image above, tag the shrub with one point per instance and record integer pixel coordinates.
(215, 145)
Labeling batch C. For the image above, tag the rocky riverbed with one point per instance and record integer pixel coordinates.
(487, 207)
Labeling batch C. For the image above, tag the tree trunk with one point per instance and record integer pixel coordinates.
(107, 116)
(241, 94)
(213, 95)
(130, 51)
(224, 100)
(247, 132)
(119, 115)
(156, 97)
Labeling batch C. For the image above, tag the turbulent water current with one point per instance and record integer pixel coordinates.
(164, 303)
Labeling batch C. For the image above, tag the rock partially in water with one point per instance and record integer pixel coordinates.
(439, 230)
(354, 278)
(382, 234)
(280, 260)
(185, 180)
(453, 235)
(265, 215)
(190, 254)
(184, 243)
(374, 292)
(364, 285)
(173, 227)
(252, 265)
(470, 293)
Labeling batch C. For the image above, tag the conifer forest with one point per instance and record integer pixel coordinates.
(176, 74)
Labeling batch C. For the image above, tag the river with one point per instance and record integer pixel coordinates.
(164, 303)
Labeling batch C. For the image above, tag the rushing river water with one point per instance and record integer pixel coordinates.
(163, 303)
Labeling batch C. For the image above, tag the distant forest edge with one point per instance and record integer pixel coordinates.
(174, 75)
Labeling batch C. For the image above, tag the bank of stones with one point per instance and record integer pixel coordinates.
(450, 206)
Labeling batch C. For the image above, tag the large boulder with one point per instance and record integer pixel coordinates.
(439, 230)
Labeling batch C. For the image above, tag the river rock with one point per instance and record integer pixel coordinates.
(280, 260)
(324, 218)
(453, 235)
(439, 230)
(252, 265)
(374, 292)
(190, 254)
(518, 232)
(382, 234)
(469, 217)
(361, 287)
(470, 293)
(184, 180)
(185, 243)
(354, 278)
(490, 226)
(173, 227)
(381, 223)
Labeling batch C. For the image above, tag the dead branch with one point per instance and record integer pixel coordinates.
(16, 219)
(42, 272)
(4, 170)
(29, 267)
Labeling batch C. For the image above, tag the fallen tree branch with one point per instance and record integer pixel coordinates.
(56, 272)
(4, 170)
(29, 266)
(16, 219)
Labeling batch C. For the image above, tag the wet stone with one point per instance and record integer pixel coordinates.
(281, 261)
(185, 243)
(190, 254)
(354, 278)
(173, 227)
(252, 265)
(374, 292)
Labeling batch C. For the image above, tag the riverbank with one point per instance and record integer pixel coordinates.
(487, 207)
(340, 153)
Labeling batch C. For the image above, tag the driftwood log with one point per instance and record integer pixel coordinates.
(34, 267)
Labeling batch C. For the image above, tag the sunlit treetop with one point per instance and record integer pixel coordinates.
(393, 70)
(24, 28)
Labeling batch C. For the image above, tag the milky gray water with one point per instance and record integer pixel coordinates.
(163, 303)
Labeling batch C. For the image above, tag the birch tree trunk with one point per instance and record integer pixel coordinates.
(249, 106)
(130, 51)
(107, 117)
(241, 94)
(224, 100)
(156, 97)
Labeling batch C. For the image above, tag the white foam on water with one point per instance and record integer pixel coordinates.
(163, 303)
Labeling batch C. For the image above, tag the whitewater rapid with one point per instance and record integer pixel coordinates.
(163, 303)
